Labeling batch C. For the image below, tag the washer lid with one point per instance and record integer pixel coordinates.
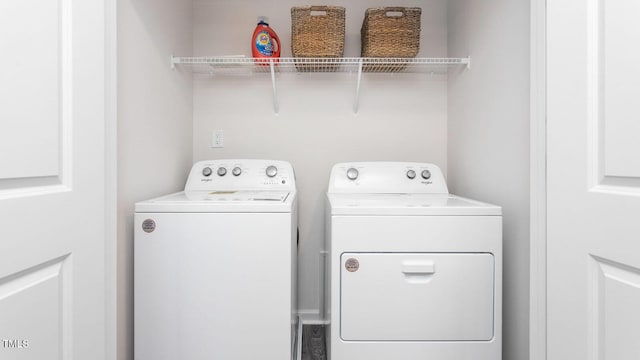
(228, 201)
(408, 204)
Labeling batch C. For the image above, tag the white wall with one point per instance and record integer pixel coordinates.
(401, 117)
(488, 142)
(154, 125)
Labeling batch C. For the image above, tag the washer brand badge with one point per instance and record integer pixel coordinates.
(352, 265)
(148, 225)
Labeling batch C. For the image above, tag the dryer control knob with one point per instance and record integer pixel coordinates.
(236, 171)
(352, 173)
(271, 171)
(222, 171)
(426, 174)
(207, 171)
(411, 174)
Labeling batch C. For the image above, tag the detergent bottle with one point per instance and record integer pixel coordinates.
(265, 42)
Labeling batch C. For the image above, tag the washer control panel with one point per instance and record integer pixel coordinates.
(387, 178)
(247, 174)
(352, 174)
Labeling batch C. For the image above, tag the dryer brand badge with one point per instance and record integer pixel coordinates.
(148, 225)
(352, 265)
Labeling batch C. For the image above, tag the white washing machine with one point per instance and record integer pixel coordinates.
(215, 265)
(414, 273)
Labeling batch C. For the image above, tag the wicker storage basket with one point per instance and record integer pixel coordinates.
(317, 32)
(391, 32)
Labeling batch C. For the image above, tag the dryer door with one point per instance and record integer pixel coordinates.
(417, 296)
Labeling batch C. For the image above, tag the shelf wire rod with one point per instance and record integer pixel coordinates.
(356, 101)
(276, 109)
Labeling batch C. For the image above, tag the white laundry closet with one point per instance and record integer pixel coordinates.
(473, 123)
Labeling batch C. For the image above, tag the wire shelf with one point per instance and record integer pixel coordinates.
(244, 65)
(240, 65)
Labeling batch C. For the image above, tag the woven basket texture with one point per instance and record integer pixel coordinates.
(391, 32)
(317, 31)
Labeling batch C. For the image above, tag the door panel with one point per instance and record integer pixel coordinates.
(36, 296)
(593, 252)
(416, 297)
(615, 22)
(615, 295)
(35, 69)
(612, 127)
(52, 180)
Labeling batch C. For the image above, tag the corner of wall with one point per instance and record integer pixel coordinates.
(488, 137)
(155, 128)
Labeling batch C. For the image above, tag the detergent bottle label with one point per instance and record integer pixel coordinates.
(264, 45)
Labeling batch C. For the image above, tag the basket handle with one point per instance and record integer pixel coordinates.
(318, 10)
(394, 12)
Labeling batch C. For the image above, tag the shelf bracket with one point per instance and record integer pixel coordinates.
(272, 67)
(356, 101)
(174, 61)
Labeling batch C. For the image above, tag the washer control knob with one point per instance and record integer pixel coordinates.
(222, 171)
(271, 171)
(426, 174)
(236, 171)
(411, 174)
(207, 171)
(352, 173)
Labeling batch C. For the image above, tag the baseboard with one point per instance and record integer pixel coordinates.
(312, 317)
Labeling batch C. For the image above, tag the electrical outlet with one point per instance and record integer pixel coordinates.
(218, 139)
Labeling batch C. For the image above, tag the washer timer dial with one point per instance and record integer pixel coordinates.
(271, 171)
(352, 173)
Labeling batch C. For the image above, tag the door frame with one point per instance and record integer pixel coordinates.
(538, 186)
(111, 176)
(538, 177)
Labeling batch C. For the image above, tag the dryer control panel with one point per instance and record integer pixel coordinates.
(387, 178)
(245, 174)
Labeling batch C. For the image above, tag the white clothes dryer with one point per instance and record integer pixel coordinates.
(215, 265)
(414, 273)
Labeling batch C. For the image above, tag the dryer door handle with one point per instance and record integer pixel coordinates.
(422, 268)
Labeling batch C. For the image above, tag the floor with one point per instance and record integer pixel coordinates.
(313, 343)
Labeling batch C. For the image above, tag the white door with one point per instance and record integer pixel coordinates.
(52, 187)
(593, 259)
